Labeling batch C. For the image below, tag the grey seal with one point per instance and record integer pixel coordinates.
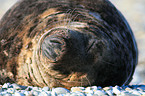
(65, 43)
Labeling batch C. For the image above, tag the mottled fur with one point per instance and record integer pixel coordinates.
(90, 43)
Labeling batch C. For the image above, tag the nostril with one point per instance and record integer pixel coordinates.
(61, 45)
(51, 48)
(55, 41)
(48, 51)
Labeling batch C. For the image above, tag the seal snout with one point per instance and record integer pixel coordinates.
(52, 47)
(62, 44)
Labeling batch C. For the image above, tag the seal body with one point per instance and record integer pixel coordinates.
(66, 43)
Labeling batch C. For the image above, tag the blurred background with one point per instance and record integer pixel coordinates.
(134, 12)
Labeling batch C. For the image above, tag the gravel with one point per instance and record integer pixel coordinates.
(17, 90)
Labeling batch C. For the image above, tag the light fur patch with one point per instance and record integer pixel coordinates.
(49, 12)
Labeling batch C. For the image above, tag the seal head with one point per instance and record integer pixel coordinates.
(66, 43)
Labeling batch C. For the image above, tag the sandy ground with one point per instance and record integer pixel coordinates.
(134, 11)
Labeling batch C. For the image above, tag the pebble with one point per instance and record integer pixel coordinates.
(89, 90)
(16, 86)
(126, 93)
(89, 94)
(77, 93)
(35, 93)
(11, 90)
(109, 92)
(19, 94)
(8, 89)
(128, 89)
(6, 85)
(28, 93)
(36, 88)
(106, 88)
(75, 89)
(116, 90)
(136, 92)
(100, 93)
(60, 90)
(46, 88)
(44, 94)
(8, 94)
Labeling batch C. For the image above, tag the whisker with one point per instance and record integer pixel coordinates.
(67, 16)
(75, 17)
(70, 14)
(88, 80)
(108, 62)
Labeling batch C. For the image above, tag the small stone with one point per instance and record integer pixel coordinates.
(100, 93)
(11, 90)
(60, 90)
(46, 88)
(126, 93)
(36, 88)
(61, 95)
(94, 87)
(128, 89)
(116, 90)
(48, 92)
(77, 93)
(106, 88)
(44, 94)
(89, 90)
(19, 94)
(22, 91)
(28, 93)
(6, 85)
(80, 89)
(143, 93)
(136, 92)
(16, 86)
(23, 87)
(109, 92)
(8, 94)
(35, 93)
(67, 94)
(2, 93)
(89, 94)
